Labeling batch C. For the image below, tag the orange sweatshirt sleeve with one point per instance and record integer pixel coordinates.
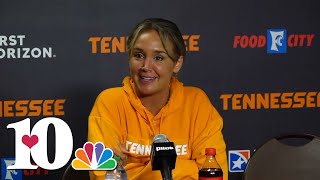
(207, 133)
(104, 125)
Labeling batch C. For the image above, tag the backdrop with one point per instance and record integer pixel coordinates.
(256, 60)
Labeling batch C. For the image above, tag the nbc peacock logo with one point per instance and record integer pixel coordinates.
(94, 157)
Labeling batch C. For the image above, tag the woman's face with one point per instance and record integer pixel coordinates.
(150, 66)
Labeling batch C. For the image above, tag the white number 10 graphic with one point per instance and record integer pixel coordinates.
(34, 143)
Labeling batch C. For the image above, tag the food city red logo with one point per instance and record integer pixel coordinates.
(117, 44)
(34, 143)
(37, 172)
(275, 40)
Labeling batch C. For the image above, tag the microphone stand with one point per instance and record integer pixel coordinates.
(166, 171)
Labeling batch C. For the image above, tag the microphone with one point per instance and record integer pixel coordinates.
(163, 156)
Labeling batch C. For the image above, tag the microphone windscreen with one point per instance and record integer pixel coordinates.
(163, 153)
(160, 138)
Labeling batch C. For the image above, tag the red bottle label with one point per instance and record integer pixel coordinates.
(210, 178)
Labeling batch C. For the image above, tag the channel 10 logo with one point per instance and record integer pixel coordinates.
(34, 143)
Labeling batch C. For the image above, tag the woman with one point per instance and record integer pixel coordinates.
(153, 101)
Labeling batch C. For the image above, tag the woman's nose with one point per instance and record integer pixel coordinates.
(147, 63)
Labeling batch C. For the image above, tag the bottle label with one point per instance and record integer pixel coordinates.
(210, 178)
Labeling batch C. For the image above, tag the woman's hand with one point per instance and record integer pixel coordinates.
(123, 153)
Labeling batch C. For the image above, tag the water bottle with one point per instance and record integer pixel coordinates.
(119, 173)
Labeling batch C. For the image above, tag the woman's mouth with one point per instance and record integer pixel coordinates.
(146, 79)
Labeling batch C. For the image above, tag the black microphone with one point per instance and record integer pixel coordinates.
(163, 156)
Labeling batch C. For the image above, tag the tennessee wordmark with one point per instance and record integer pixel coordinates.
(275, 100)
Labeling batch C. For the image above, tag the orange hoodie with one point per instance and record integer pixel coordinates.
(188, 119)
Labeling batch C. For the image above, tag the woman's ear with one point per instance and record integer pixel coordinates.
(178, 65)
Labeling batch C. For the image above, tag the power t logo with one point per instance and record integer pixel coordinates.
(276, 41)
(34, 143)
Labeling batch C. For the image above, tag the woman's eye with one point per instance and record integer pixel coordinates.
(138, 55)
(158, 58)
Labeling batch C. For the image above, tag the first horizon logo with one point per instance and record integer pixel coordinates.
(13, 47)
(275, 41)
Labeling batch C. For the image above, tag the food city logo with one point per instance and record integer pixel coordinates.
(35, 144)
(94, 157)
(117, 44)
(7, 174)
(17, 174)
(276, 41)
(13, 47)
(274, 100)
(238, 160)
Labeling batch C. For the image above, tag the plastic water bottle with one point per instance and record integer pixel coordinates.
(119, 173)
(210, 170)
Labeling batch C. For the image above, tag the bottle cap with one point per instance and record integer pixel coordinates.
(211, 151)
